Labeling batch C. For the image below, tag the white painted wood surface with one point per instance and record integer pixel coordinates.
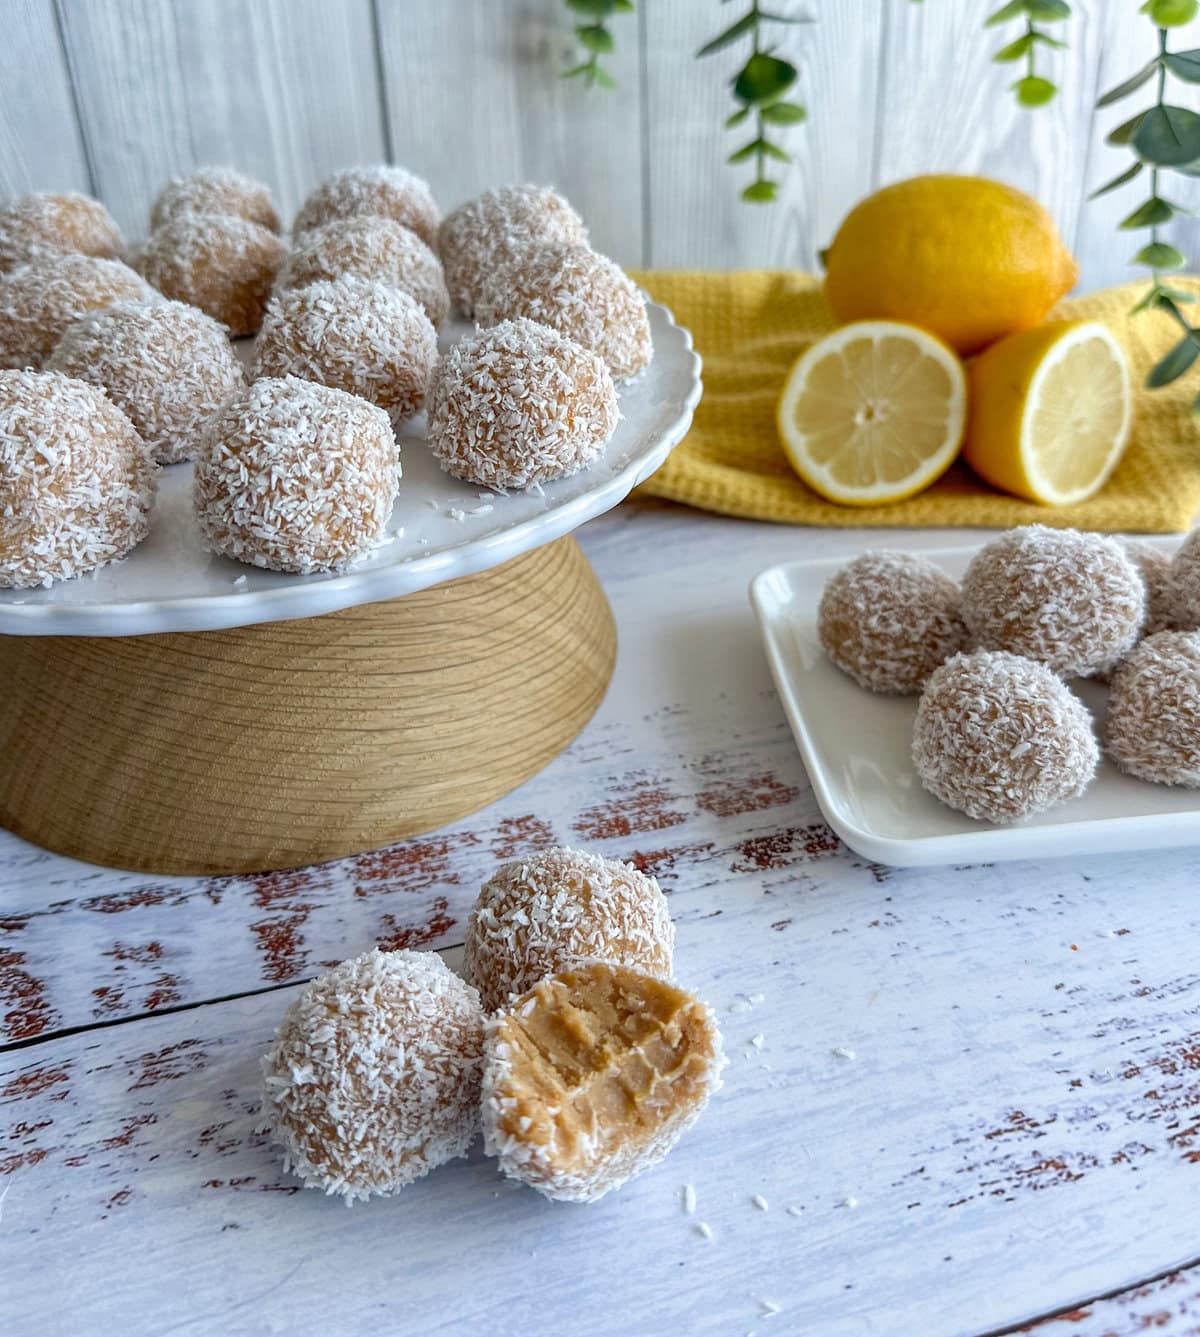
(1016, 1133)
(116, 95)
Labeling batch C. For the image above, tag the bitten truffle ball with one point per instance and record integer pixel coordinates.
(487, 231)
(583, 295)
(558, 907)
(295, 476)
(39, 225)
(39, 300)
(1001, 738)
(1074, 602)
(519, 404)
(167, 366)
(373, 1079)
(369, 248)
(381, 191)
(76, 481)
(888, 619)
(215, 190)
(1183, 584)
(363, 337)
(1152, 728)
(223, 264)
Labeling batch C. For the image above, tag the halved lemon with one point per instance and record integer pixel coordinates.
(873, 412)
(1050, 413)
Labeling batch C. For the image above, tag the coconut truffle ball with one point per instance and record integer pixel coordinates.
(1152, 728)
(167, 366)
(222, 264)
(583, 295)
(1154, 566)
(369, 248)
(373, 1078)
(1000, 737)
(39, 225)
(383, 192)
(1074, 602)
(538, 915)
(39, 300)
(519, 404)
(592, 1076)
(362, 337)
(215, 190)
(888, 619)
(295, 476)
(1183, 584)
(76, 481)
(487, 231)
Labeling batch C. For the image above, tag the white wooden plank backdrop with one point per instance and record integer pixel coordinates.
(115, 95)
(1015, 1136)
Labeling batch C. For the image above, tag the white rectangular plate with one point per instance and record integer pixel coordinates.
(856, 746)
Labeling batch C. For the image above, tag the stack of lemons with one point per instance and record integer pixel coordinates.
(929, 272)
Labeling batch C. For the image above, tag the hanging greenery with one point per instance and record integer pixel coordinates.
(1032, 89)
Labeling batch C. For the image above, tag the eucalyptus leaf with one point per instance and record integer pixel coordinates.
(784, 113)
(1176, 294)
(1168, 136)
(1176, 362)
(746, 151)
(622, 6)
(1125, 132)
(1184, 65)
(760, 192)
(1047, 11)
(742, 112)
(1014, 50)
(1159, 255)
(1013, 10)
(1046, 40)
(1034, 91)
(576, 70)
(603, 78)
(1117, 181)
(739, 29)
(1131, 85)
(763, 78)
(1150, 214)
(774, 151)
(1196, 405)
(592, 9)
(1171, 13)
(596, 38)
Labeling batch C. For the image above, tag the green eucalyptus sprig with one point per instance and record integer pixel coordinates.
(1032, 89)
(1163, 137)
(759, 88)
(595, 39)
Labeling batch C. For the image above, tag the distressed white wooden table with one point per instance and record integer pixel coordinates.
(969, 1098)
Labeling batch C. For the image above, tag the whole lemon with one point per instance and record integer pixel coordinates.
(967, 258)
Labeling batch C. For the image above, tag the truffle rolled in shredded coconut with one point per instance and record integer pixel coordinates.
(888, 619)
(380, 191)
(592, 1076)
(1001, 738)
(373, 1079)
(1183, 584)
(166, 365)
(215, 190)
(537, 915)
(32, 226)
(1152, 728)
(489, 230)
(39, 300)
(77, 483)
(363, 337)
(295, 476)
(1154, 566)
(519, 404)
(373, 248)
(223, 264)
(1073, 601)
(583, 295)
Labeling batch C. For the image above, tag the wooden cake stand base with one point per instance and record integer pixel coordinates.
(292, 742)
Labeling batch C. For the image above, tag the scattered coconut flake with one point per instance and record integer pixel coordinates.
(240, 580)
(769, 1308)
(842, 1052)
(795, 1211)
(760, 1202)
(456, 515)
(689, 1199)
(704, 1229)
(758, 1040)
(848, 1202)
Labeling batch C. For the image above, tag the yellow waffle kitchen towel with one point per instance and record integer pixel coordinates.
(750, 327)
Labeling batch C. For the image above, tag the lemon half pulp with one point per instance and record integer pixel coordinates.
(873, 412)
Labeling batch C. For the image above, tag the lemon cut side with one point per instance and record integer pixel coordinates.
(1051, 410)
(873, 412)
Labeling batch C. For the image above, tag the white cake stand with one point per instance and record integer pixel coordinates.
(178, 712)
